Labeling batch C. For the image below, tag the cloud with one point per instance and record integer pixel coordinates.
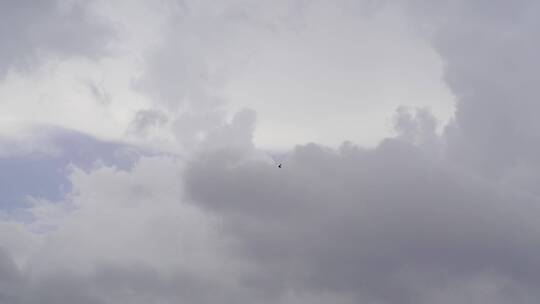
(389, 224)
(9, 280)
(202, 46)
(147, 119)
(337, 73)
(35, 163)
(124, 236)
(422, 217)
(49, 28)
(489, 50)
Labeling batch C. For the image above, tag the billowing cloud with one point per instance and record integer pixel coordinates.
(490, 52)
(389, 224)
(207, 216)
(338, 75)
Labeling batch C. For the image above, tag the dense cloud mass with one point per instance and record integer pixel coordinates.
(182, 206)
(35, 30)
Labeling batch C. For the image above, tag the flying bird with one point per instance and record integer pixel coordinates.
(279, 166)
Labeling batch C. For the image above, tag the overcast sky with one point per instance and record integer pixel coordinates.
(139, 143)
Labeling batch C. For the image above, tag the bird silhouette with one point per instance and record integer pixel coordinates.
(279, 166)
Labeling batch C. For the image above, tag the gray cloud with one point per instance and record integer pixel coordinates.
(146, 119)
(490, 53)
(400, 224)
(10, 279)
(203, 44)
(388, 225)
(421, 218)
(38, 29)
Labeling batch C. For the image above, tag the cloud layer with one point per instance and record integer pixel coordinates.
(40, 29)
(182, 206)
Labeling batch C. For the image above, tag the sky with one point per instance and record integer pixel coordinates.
(139, 143)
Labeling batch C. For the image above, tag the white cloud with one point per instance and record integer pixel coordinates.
(338, 75)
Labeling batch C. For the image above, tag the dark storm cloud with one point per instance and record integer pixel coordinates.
(400, 224)
(355, 221)
(34, 29)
